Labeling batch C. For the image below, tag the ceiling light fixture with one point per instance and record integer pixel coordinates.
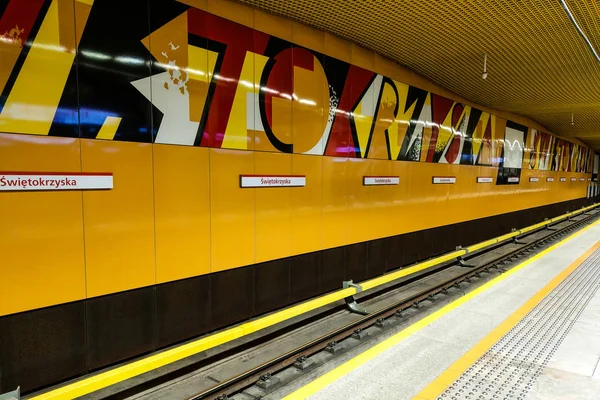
(587, 41)
(572, 121)
(484, 74)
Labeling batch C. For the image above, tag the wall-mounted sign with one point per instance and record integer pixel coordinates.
(581, 179)
(262, 181)
(549, 179)
(563, 179)
(444, 179)
(485, 179)
(380, 180)
(573, 179)
(43, 181)
(534, 179)
(513, 179)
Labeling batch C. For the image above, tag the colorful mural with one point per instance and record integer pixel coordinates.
(166, 72)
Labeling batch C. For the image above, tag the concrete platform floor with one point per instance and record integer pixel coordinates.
(404, 370)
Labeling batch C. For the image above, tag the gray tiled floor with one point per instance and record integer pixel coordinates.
(402, 371)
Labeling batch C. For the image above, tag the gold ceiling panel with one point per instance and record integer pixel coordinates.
(538, 64)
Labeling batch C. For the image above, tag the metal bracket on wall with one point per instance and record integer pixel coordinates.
(14, 395)
(515, 240)
(461, 261)
(351, 301)
(548, 226)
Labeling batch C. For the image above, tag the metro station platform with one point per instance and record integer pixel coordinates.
(531, 333)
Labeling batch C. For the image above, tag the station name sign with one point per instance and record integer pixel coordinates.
(534, 179)
(46, 181)
(573, 179)
(513, 179)
(563, 179)
(485, 179)
(380, 180)
(550, 179)
(264, 181)
(443, 180)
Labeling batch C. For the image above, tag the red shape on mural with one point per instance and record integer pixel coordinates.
(454, 148)
(440, 107)
(18, 18)
(341, 142)
(238, 40)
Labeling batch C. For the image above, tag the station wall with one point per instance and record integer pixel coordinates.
(177, 99)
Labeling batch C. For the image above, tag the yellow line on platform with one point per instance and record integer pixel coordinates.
(438, 385)
(467, 359)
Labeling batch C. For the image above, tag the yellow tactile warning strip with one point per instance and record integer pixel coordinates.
(435, 388)
(120, 374)
(450, 375)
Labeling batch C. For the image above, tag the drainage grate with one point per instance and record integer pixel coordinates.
(511, 367)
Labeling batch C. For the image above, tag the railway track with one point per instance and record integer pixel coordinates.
(429, 288)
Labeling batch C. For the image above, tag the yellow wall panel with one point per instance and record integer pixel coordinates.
(273, 25)
(398, 209)
(307, 204)
(362, 57)
(41, 233)
(427, 204)
(358, 208)
(232, 11)
(308, 37)
(119, 223)
(232, 209)
(336, 219)
(338, 48)
(273, 208)
(182, 212)
(380, 200)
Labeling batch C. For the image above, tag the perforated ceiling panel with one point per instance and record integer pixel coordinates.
(539, 65)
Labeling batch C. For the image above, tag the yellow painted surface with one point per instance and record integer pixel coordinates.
(308, 37)
(232, 220)
(273, 208)
(362, 57)
(182, 212)
(306, 233)
(273, 25)
(119, 223)
(336, 219)
(32, 102)
(41, 232)
(109, 128)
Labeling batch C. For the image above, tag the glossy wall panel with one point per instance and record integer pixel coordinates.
(181, 211)
(179, 98)
(232, 223)
(307, 222)
(119, 223)
(41, 232)
(273, 208)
